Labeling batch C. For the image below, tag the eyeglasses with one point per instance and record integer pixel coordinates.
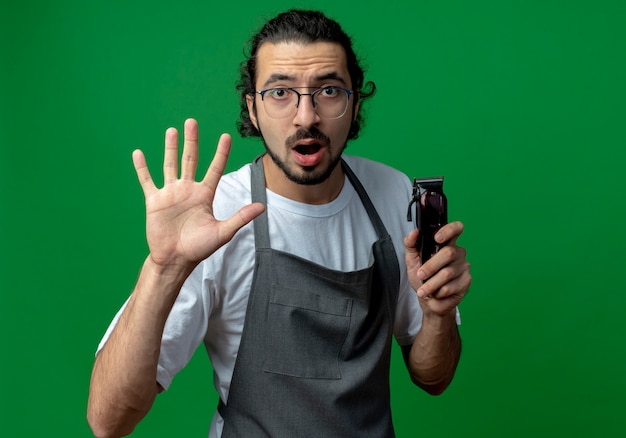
(283, 102)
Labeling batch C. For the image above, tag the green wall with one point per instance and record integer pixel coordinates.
(520, 104)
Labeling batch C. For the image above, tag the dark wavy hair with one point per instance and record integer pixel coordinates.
(302, 26)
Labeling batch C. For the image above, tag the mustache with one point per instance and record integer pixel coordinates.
(303, 133)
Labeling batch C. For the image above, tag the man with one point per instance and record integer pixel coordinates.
(298, 307)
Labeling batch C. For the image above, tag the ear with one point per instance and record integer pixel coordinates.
(251, 110)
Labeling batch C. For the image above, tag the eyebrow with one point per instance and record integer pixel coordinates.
(275, 77)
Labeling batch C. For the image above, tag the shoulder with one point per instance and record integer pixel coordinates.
(389, 190)
(379, 179)
(369, 170)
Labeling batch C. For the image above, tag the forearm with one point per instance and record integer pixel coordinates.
(123, 383)
(435, 353)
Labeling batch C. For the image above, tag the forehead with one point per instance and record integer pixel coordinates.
(304, 63)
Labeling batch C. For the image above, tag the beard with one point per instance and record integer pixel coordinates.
(308, 176)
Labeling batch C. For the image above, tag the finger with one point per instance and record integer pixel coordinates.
(449, 232)
(444, 283)
(143, 173)
(218, 164)
(411, 253)
(189, 161)
(447, 281)
(449, 296)
(444, 257)
(170, 160)
(243, 217)
(436, 262)
(409, 242)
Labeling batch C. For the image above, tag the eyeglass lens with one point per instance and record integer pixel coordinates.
(329, 102)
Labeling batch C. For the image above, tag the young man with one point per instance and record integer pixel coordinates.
(297, 308)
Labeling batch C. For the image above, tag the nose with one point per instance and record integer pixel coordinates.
(306, 114)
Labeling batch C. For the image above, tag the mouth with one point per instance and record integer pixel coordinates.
(308, 149)
(308, 153)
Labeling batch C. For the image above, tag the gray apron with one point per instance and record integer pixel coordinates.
(316, 343)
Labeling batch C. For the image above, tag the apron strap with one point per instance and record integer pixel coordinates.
(257, 189)
(381, 231)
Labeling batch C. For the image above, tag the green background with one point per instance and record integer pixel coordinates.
(520, 104)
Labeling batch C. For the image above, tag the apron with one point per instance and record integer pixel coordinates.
(316, 343)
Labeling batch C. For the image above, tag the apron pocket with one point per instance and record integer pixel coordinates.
(306, 334)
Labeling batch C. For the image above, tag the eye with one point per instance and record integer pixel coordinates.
(278, 93)
(329, 92)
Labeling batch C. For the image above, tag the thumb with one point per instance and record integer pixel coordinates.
(412, 254)
(410, 242)
(240, 219)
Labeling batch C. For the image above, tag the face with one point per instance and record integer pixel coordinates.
(305, 148)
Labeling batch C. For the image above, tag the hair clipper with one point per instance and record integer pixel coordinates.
(431, 211)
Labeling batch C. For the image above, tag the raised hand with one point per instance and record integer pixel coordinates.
(180, 227)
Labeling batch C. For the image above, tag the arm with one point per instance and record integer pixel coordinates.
(441, 283)
(181, 231)
(123, 382)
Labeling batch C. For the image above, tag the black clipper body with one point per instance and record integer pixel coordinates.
(431, 211)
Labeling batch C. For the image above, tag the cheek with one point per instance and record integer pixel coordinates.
(271, 132)
(340, 132)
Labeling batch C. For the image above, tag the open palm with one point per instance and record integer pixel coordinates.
(180, 226)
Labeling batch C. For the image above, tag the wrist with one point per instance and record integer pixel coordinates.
(162, 282)
(440, 321)
(171, 270)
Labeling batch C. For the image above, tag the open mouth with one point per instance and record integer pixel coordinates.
(308, 149)
(308, 153)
